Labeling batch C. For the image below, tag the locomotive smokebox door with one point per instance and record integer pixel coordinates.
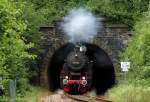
(76, 61)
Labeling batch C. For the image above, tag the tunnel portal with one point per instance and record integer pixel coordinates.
(112, 38)
(103, 76)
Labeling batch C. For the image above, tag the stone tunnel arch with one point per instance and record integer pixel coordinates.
(111, 38)
(103, 74)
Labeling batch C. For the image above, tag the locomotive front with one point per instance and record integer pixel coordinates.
(76, 74)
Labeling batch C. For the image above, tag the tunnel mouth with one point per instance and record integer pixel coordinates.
(103, 73)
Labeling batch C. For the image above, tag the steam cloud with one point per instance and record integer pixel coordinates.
(80, 25)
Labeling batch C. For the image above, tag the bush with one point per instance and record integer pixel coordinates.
(13, 49)
(125, 11)
(138, 49)
(129, 93)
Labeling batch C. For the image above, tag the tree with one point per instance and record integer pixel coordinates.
(13, 49)
(124, 11)
(138, 50)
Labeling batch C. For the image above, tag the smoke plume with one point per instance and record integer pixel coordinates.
(80, 25)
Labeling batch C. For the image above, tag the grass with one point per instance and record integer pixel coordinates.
(129, 93)
(34, 95)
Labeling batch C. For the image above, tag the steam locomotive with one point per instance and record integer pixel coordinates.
(80, 67)
(76, 74)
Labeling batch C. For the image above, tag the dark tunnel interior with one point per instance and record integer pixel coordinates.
(103, 69)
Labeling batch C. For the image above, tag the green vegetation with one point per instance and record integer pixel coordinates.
(138, 50)
(35, 94)
(129, 93)
(136, 88)
(125, 11)
(13, 49)
(19, 34)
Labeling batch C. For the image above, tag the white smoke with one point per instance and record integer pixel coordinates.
(80, 25)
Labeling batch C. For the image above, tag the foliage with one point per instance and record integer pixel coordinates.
(33, 20)
(129, 93)
(53, 9)
(125, 11)
(138, 50)
(13, 49)
(35, 94)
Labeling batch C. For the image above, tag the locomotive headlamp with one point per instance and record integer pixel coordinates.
(83, 78)
(65, 81)
(84, 82)
(76, 55)
(66, 77)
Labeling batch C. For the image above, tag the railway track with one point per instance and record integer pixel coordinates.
(73, 98)
(85, 98)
